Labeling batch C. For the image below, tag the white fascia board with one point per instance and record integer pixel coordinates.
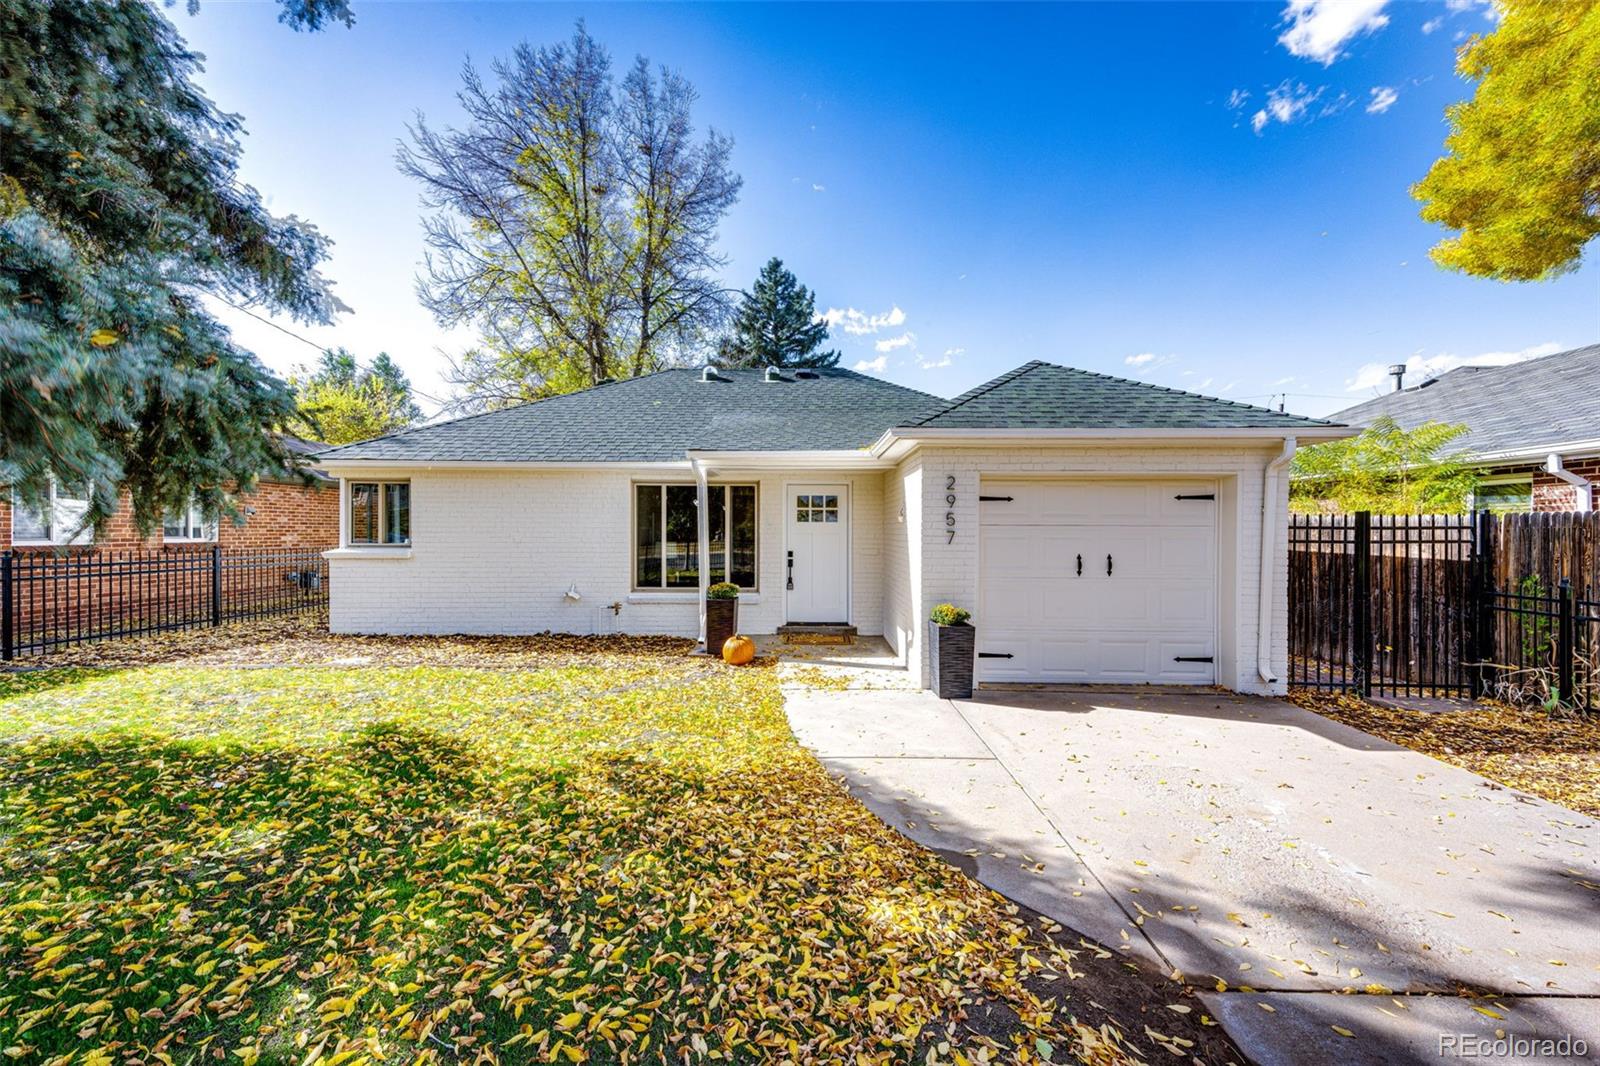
(1538, 453)
(353, 468)
(830, 459)
(895, 442)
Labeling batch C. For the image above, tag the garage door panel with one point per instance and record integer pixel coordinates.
(1158, 606)
(1187, 608)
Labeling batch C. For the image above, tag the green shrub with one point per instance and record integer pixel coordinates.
(723, 590)
(948, 614)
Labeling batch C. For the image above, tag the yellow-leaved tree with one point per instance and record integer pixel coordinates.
(1521, 184)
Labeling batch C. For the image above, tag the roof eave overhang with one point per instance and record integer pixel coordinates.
(358, 467)
(896, 443)
(820, 459)
(1537, 452)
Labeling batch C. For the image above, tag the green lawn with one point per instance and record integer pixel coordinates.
(623, 857)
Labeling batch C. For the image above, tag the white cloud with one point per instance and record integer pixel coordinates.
(1383, 99)
(818, 188)
(889, 344)
(1237, 98)
(934, 364)
(873, 366)
(1206, 384)
(1287, 104)
(1283, 381)
(1320, 29)
(1432, 24)
(859, 323)
(955, 351)
(1420, 368)
(1146, 363)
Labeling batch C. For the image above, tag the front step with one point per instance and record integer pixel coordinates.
(817, 633)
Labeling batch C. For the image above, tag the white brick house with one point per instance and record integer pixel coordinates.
(1100, 530)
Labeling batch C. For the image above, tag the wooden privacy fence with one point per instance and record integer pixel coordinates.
(1470, 605)
(49, 600)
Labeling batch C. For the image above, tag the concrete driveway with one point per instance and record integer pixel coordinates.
(1255, 847)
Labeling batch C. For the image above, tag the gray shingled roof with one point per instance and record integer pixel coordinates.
(1519, 407)
(1041, 395)
(660, 416)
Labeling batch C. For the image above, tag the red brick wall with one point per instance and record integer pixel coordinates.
(284, 516)
(1550, 493)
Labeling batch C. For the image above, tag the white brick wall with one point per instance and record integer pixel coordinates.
(495, 552)
(902, 558)
(949, 569)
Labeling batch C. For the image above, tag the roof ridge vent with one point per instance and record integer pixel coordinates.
(807, 374)
(772, 374)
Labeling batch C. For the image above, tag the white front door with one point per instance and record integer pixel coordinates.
(817, 564)
(1097, 581)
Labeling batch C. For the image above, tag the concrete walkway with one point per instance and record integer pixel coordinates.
(1256, 848)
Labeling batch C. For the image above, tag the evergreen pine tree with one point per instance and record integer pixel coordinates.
(777, 325)
(120, 207)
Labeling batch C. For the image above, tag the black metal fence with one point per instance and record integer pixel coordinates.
(50, 600)
(1446, 605)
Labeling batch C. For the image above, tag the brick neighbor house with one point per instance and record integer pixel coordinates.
(279, 513)
(1534, 427)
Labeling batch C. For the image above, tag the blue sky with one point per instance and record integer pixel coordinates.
(1207, 196)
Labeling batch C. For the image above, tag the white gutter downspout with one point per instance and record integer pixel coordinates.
(1583, 490)
(1270, 520)
(702, 520)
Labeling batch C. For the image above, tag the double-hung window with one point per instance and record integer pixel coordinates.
(380, 512)
(59, 522)
(666, 545)
(190, 524)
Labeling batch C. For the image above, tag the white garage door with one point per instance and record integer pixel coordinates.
(1097, 581)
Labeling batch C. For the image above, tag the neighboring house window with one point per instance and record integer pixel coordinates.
(58, 522)
(190, 524)
(666, 545)
(380, 512)
(1513, 495)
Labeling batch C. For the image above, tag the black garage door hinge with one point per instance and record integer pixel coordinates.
(995, 655)
(994, 499)
(1196, 496)
(1191, 658)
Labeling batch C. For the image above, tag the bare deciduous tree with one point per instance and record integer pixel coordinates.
(572, 225)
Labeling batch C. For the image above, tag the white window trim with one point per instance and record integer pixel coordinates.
(208, 527)
(381, 545)
(664, 593)
(1506, 479)
(57, 527)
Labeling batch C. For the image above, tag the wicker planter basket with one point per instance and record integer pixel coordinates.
(950, 660)
(722, 622)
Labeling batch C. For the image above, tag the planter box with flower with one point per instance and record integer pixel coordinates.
(722, 615)
(950, 652)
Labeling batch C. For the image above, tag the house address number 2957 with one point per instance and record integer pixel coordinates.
(950, 516)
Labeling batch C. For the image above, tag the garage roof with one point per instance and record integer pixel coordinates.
(1041, 395)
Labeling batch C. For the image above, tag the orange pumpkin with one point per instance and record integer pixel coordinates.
(738, 650)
